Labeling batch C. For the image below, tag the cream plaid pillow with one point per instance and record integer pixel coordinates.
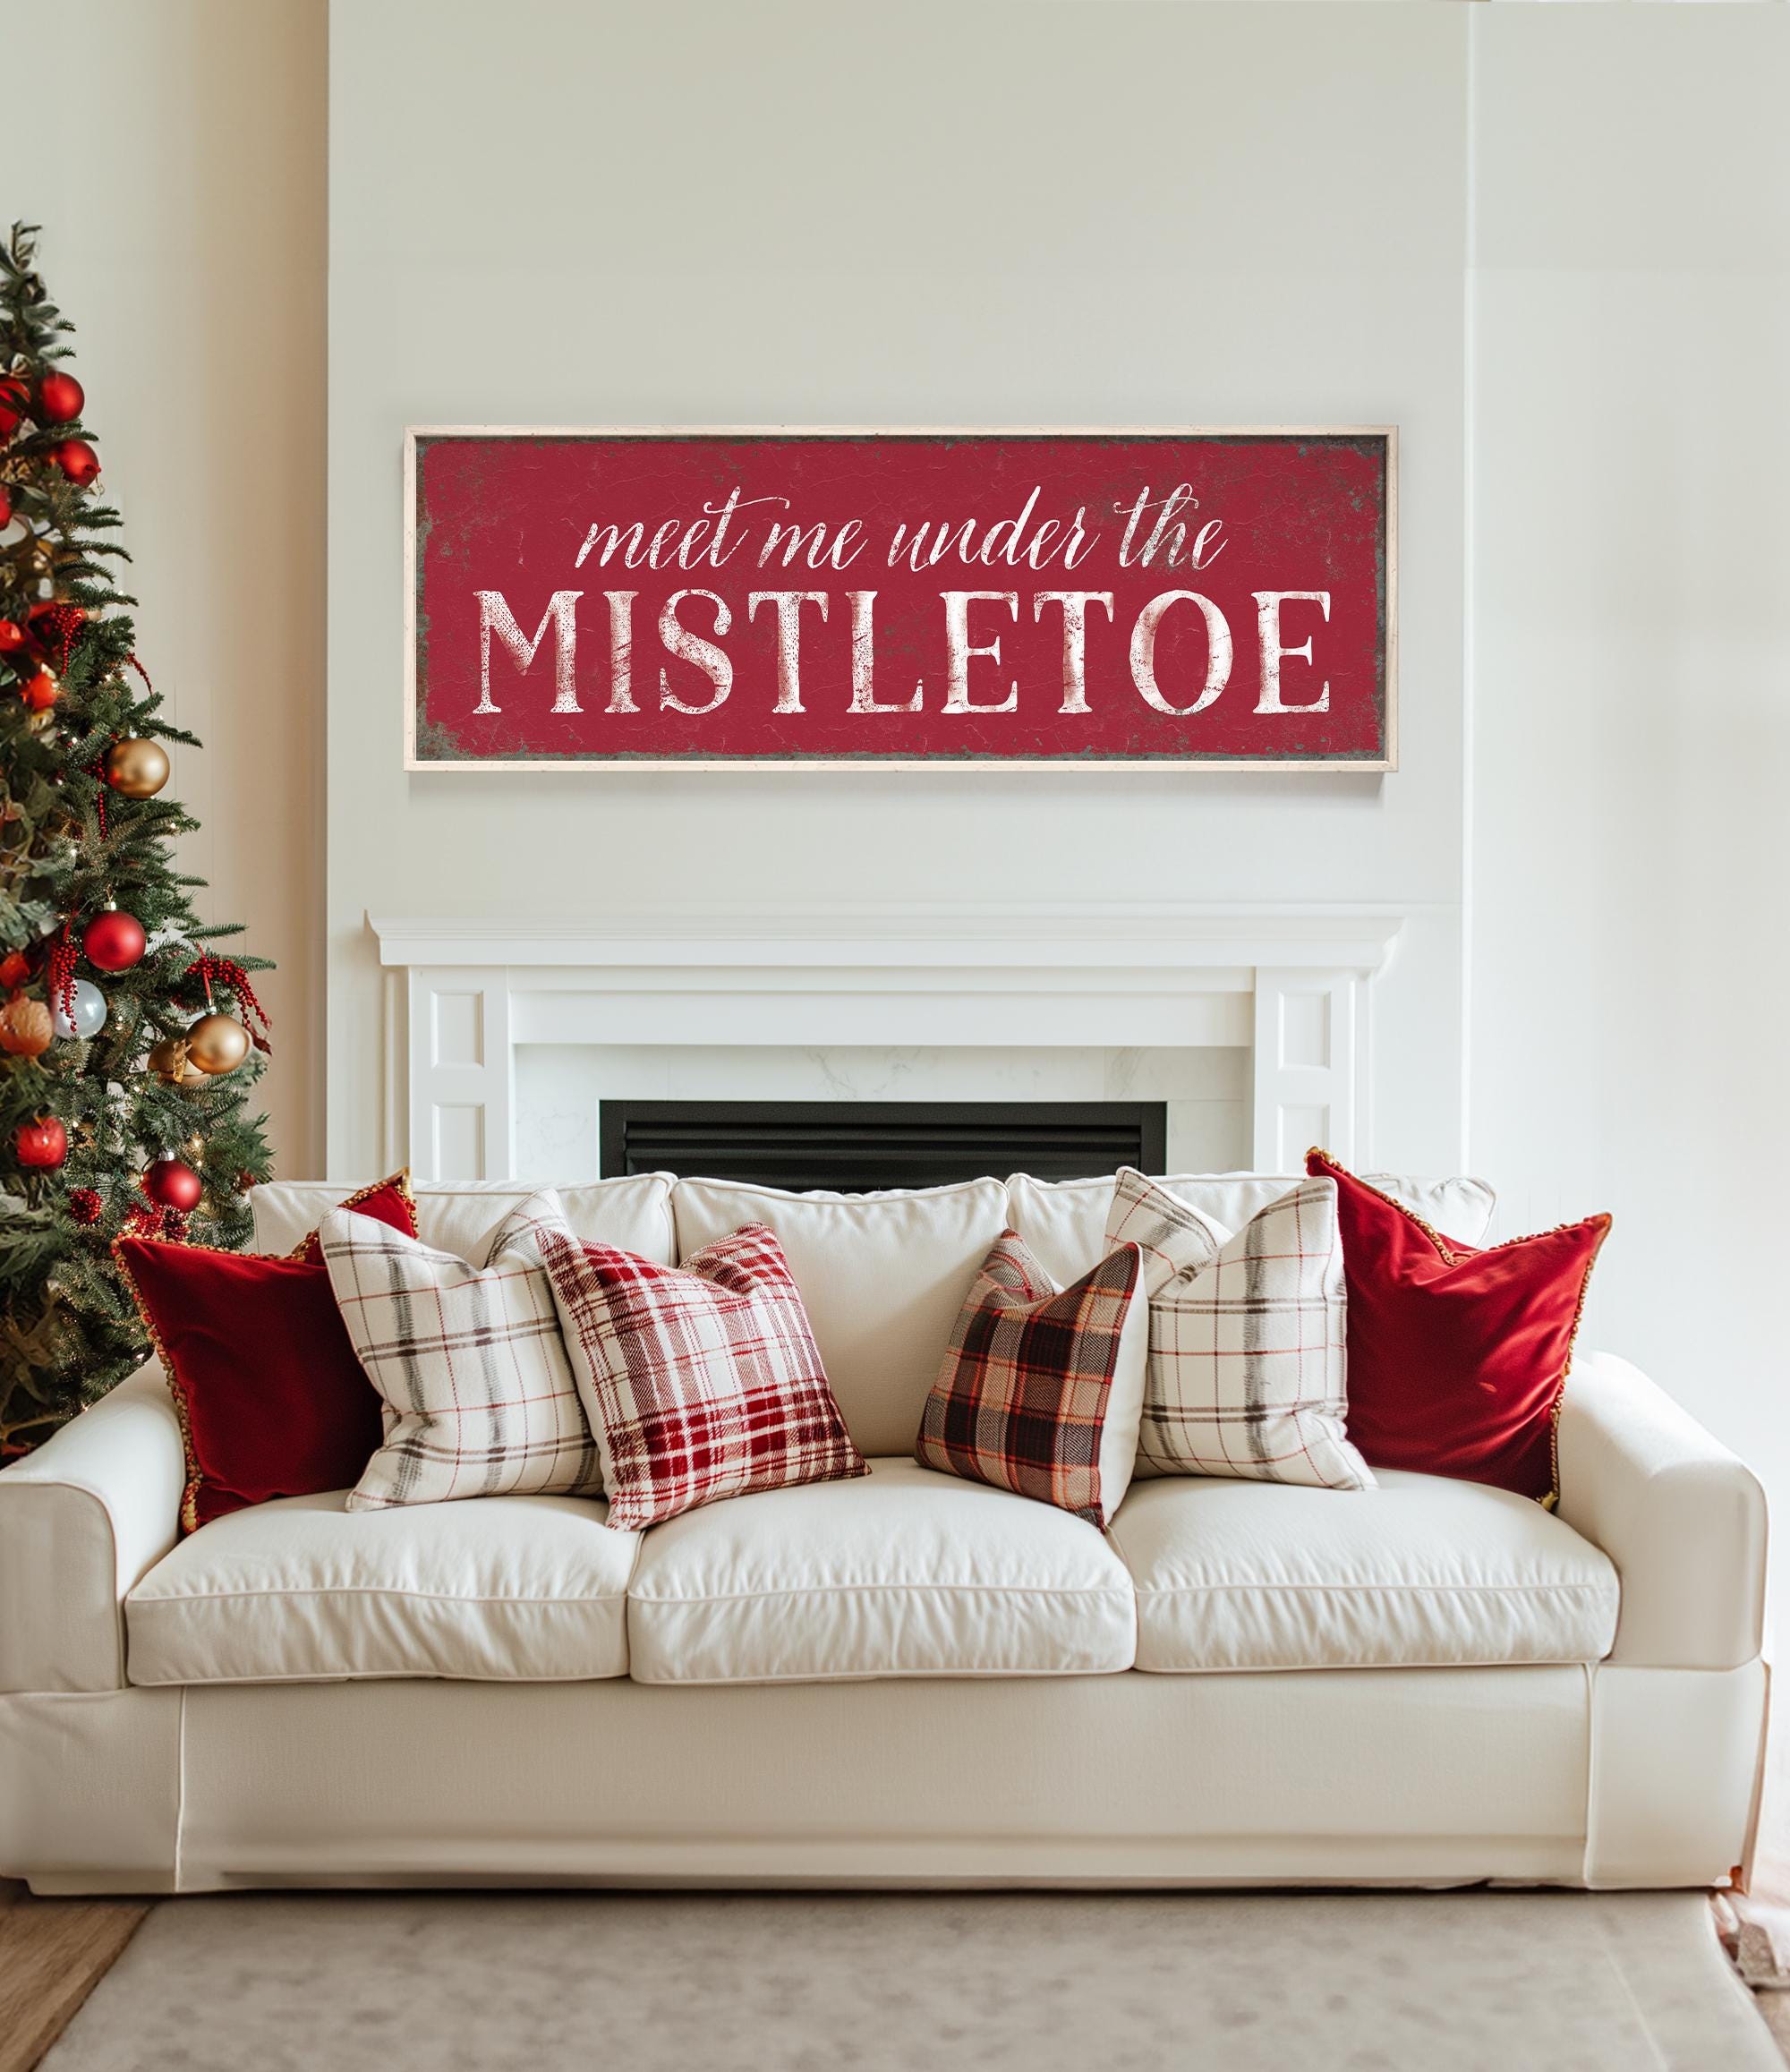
(1247, 1374)
(478, 1398)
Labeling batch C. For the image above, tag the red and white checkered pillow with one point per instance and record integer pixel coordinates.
(1247, 1373)
(701, 1381)
(1041, 1387)
(478, 1398)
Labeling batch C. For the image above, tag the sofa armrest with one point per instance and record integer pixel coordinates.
(1682, 1520)
(81, 1520)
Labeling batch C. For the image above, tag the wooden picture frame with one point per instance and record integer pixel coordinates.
(424, 737)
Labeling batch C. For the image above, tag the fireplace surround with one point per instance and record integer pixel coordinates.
(1293, 986)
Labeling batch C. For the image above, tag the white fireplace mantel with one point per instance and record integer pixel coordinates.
(1291, 985)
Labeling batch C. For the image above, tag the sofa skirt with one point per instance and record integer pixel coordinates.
(1601, 1777)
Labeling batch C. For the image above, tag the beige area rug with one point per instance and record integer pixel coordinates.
(1475, 1982)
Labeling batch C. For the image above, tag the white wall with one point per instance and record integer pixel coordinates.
(182, 206)
(1551, 243)
(1631, 613)
(758, 212)
(1548, 242)
(1090, 211)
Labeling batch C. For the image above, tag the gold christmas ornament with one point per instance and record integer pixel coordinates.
(216, 1043)
(169, 1062)
(137, 768)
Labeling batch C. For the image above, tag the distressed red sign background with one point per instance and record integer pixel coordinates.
(623, 597)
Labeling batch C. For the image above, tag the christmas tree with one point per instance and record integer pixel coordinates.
(128, 1045)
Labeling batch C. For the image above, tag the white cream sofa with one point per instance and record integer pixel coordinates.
(911, 1680)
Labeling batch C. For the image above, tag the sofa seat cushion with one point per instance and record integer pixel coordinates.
(493, 1588)
(1421, 1573)
(908, 1574)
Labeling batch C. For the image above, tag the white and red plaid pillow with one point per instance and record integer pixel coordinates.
(701, 1381)
(1247, 1338)
(1041, 1387)
(478, 1398)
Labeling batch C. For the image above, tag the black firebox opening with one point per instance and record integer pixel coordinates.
(854, 1146)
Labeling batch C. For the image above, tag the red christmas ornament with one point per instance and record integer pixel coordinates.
(77, 460)
(14, 398)
(114, 941)
(15, 969)
(40, 693)
(60, 397)
(86, 1205)
(5, 507)
(42, 1144)
(172, 1184)
(12, 637)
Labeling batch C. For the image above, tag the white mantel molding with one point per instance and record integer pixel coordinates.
(1291, 983)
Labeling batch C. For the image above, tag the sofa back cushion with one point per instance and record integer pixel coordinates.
(462, 1217)
(1065, 1220)
(883, 1277)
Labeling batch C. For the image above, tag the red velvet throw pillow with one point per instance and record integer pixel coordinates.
(271, 1400)
(1457, 1357)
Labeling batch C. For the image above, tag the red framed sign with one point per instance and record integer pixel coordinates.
(688, 599)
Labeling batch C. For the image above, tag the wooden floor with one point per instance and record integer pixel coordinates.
(53, 1952)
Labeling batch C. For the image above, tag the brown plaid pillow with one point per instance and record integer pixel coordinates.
(1042, 1388)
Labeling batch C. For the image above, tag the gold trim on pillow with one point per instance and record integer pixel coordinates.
(399, 1181)
(177, 1388)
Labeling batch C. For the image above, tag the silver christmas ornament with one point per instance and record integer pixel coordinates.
(88, 1016)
